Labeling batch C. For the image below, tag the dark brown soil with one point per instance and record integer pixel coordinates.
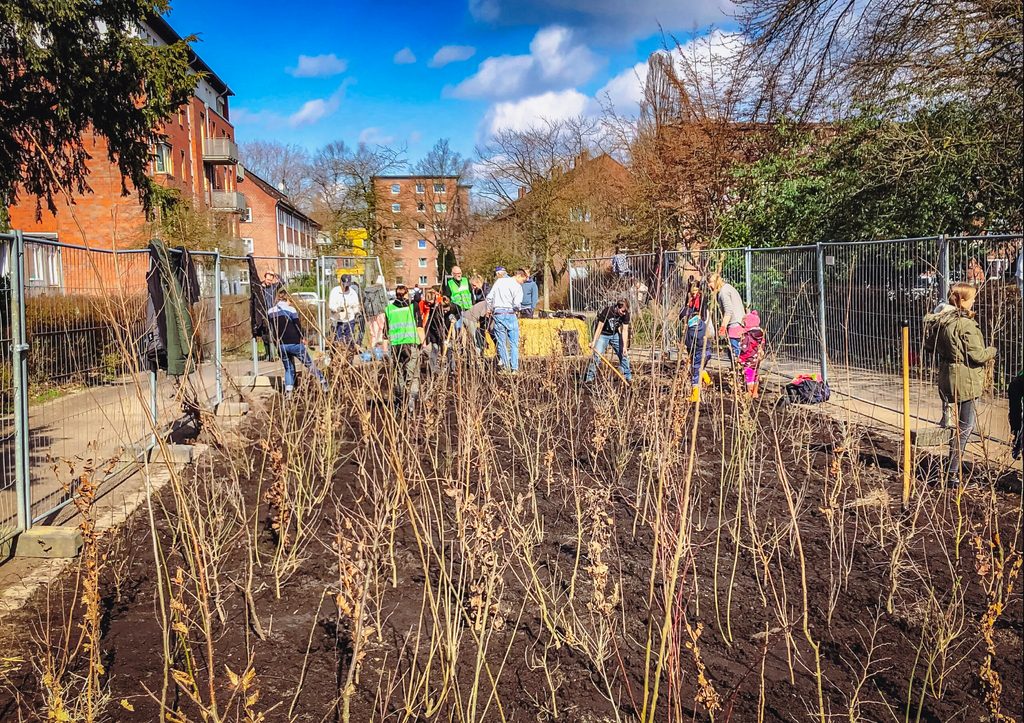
(738, 617)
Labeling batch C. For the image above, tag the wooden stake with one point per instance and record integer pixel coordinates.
(905, 333)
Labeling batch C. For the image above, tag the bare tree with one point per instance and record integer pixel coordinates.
(342, 181)
(284, 165)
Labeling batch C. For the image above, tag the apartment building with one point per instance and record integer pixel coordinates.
(196, 155)
(271, 226)
(414, 214)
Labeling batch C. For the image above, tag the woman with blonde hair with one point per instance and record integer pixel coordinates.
(962, 356)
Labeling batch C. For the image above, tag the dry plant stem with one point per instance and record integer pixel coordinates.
(682, 544)
(784, 477)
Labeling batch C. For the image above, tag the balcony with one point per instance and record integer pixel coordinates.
(230, 201)
(220, 151)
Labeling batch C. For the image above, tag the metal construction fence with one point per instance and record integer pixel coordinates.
(75, 398)
(835, 307)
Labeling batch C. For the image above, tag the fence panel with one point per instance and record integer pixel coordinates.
(991, 263)
(364, 271)
(8, 492)
(784, 289)
(86, 316)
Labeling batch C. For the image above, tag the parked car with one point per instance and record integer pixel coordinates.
(308, 298)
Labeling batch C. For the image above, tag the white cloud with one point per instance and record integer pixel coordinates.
(711, 56)
(556, 61)
(451, 54)
(310, 112)
(608, 20)
(415, 137)
(625, 90)
(521, 115)
(318, 66)
(405, 56)
(374, 136)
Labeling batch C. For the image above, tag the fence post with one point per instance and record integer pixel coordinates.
(943, 267)
(820, 252)
(572, 303)
(154, 409)
(321, 315)
(19, 368)
(749, 271)
(218, 340)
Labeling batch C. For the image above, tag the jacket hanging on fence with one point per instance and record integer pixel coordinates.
(257, 302)
(168, 341)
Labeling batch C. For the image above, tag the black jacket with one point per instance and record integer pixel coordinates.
(1016, 394)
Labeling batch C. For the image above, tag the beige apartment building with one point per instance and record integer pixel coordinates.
(417, 215)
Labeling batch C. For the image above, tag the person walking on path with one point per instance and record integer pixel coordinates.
(404, 330)
(612, 330)
(731, 305)
(286, 328)
(531, 296)
(503, 301)
(752, 352)
(269, 288)
(696, 343)
(962, 356)
(345, 311)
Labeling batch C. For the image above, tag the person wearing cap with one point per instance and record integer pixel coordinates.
(345, 310)
(404, 330)
(503, 302)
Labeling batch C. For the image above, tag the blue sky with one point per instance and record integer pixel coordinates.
(412, 72)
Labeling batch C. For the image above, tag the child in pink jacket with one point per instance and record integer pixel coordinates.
(751, 351)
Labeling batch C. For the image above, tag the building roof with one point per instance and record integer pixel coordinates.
(418, 176)
(281, 197)
(170, 36)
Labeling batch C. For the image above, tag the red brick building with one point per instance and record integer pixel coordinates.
(271, 226)
(196, 154)
(414, 214)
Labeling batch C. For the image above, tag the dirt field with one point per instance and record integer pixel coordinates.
(522, 549)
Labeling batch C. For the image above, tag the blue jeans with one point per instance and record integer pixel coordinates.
(291, 352)
(600, 345)
(699, 349)
(734, 351)
(506, 336)
(344, 332)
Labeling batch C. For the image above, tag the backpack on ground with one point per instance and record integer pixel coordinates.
(807, 389)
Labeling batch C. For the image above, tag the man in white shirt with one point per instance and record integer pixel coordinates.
(345, 309)
(503, 301)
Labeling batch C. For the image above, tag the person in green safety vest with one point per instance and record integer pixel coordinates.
(457, 290)
(404, 330)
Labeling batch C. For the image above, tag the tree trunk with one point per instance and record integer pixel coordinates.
(547, 281)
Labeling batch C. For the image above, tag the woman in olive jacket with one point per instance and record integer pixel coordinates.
(962, 357)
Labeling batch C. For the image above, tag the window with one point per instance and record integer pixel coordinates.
(243, 277)
(247, 245)
(399, 263)
(438, 188)
(421, 207)
(246, 215)
(181, 118)
(423, 262)
(421, 226)
(395, 188)
(423, 280)
(399, 279)
(183, 165)
(398, 244)
(396, 207)
(420, 188)
(394, 224)
(162, 162)
(579, 215)
(421, 244)
(440, 207)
